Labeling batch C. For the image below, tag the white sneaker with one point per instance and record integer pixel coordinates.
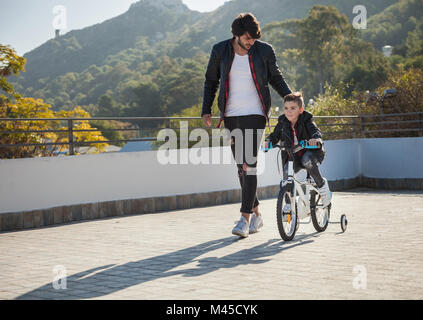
(325, 193)
(241, 228)
(256, 223)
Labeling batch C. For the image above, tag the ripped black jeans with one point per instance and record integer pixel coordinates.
(249, 140)
(310, 161)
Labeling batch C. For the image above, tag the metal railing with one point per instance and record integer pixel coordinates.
(333, 127)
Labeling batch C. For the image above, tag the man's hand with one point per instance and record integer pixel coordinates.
(315, 142)
(207, 120)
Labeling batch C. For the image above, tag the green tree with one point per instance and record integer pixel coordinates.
(391, 26)
(191, 112)
(145, 100)
(409, 87)
(324, 47)
(107, 107)
(407, 83)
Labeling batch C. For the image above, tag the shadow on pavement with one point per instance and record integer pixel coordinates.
(108, 279)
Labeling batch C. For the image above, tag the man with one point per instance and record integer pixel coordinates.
(243, 66)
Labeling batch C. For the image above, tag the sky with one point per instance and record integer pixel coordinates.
(26, 24)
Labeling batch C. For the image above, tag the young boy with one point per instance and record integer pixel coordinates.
(296, 125)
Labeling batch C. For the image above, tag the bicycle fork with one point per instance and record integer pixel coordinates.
(300, 204)
(288, 187)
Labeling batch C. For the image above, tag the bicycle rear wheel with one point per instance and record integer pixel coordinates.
(287, 223)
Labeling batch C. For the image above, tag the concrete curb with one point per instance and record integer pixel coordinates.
(89, 211)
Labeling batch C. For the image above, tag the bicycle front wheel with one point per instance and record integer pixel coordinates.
(319, 215)
(285, 216)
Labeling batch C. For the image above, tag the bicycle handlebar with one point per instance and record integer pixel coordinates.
(303, 144)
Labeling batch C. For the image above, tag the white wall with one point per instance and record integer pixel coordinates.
(342, 160)
(392, 158)
(40, 183)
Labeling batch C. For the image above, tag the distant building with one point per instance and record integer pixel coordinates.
(57, 33)
(387, 51)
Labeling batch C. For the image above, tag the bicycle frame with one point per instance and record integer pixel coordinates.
(302, 203)
(304, 207)
(304, 197)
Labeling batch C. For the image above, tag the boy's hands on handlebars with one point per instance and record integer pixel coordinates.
(315, 142)
(312, 142)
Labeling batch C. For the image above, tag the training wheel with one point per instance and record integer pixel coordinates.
(344, 222)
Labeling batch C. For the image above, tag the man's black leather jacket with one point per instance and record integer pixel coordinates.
(264, 70)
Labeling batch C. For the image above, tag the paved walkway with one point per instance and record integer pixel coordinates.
(191, 254)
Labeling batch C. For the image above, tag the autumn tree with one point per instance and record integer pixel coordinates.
(10, 64)
(13, 105)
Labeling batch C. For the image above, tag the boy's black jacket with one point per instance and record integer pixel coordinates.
(306, 130)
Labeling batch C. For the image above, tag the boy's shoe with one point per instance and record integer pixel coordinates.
(325, 193)
(241, 228)
(256, 223)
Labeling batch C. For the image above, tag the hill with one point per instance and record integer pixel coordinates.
(392, 25)
(149, 60)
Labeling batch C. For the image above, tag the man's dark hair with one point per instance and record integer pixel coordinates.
(246, 22)
(296, 97)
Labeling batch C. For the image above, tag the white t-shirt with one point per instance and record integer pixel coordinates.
(243, 97)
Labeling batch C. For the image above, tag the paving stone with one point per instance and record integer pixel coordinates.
(191, 253)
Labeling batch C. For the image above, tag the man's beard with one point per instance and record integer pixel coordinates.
(241, 45)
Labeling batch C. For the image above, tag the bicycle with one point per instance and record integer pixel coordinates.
(296, 204)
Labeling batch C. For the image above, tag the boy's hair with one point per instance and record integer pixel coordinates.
(296, 97)
(246, 22)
